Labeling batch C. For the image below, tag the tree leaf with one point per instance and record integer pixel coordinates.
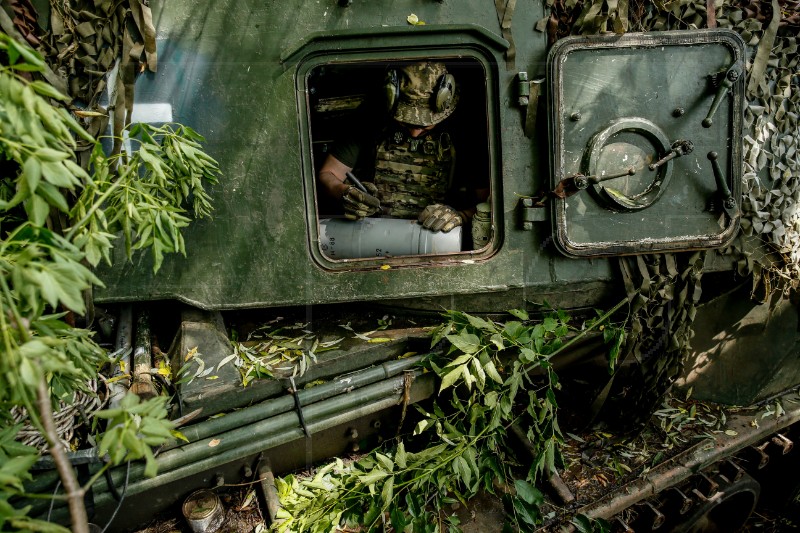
(549, 457)
(480, 375)
(48, 285)
(413, 505)
(29, 373)
(480, 323)
(37, 209)
(421, 426)
(57, 174)
(53, 196)
(227, 360)
(50, 155)
(463, 470)
(387, 493)
(513, 330)
(528, 355)
(490, 400)
(491, 371)
(372, 513)
(528, 493)
(582, 523)
(528, 513)
(47, 90)
(519, 313)
(32, 57)
(466, 342)
(449, 379)
(460, 360)
(32, 172)
(373, 477)
(387, 463)
(398, 519)
(74, 126)
(400, 455)
(497, 340)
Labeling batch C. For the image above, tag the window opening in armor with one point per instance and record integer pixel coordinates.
(411, 136)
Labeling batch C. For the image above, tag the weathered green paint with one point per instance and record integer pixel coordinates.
(236, 71)
(220, 69)
(744, 353)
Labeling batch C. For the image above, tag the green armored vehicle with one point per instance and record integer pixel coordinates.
(623, 176)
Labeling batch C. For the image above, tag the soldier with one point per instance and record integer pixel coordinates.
(413, 157)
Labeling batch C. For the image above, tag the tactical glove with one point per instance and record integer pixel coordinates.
(440, 217)
(358, 204)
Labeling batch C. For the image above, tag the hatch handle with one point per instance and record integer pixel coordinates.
(679, 148)
(723, 191)
(578, 182)
(583, 182)
(723, 81)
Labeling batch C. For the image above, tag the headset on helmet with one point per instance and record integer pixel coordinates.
(391, 86)
(441, 99)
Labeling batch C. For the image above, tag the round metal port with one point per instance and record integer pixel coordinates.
(630, 142)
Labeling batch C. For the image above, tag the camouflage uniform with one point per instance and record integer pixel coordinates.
(413, 173)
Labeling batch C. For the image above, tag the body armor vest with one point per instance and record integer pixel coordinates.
(411, 174)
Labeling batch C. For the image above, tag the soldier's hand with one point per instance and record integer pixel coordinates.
(440, 217)
(358, 204)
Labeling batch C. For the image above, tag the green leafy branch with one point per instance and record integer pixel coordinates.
(462, 445)
(133, 428)
(55, 218)
(15, 461)
(411, 488)
(140, 195)
(143, 194)
(272, 352)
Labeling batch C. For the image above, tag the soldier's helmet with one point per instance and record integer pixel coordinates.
(427, 93)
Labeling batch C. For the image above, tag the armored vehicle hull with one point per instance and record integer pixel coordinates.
(618, 177)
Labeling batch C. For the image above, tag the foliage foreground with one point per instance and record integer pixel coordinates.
(492, 376)
(58, 219)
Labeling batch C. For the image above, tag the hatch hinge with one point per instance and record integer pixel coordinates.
(532, 210)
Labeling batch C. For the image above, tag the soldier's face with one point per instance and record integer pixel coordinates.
(416, 130)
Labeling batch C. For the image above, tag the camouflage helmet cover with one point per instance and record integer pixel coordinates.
(417, 87)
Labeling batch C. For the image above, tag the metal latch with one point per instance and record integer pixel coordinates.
(528, 93)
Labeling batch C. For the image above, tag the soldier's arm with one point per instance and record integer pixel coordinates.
(332, 177)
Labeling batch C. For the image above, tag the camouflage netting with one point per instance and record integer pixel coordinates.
(68, 417)
(768, 247)
(664, 290)
(83, 41)
(771, 178)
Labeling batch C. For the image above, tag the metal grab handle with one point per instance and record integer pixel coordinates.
(578, 182)
(725, 83)
(724, 192)
(679, 148)
(583, 182)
